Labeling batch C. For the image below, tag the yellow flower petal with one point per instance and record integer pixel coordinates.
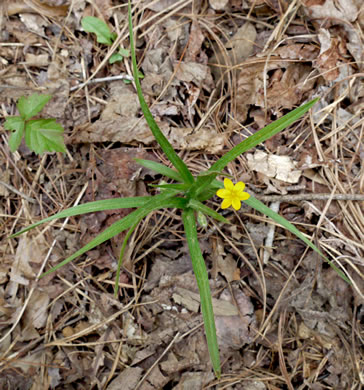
(239, 186)
(226, 203)
(228, 184)
(244, 196)
(236, 203)
(222, 193)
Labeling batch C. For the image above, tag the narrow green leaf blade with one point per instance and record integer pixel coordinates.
(262, 208)
(44, 135)
(16, 124)
(198, 206)
(121, 225)
(100, 28)
(91, 207)
(174, 186)
(159, 136)
(30, 106)
(159, 168)
(199, 268)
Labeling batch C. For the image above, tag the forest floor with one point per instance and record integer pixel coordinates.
(214, 72)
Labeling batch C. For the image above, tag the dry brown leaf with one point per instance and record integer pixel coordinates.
(39, 61)
(297, 51)
(29, 250)
(127, 380)
(35, 6)
(224, 264)
(239, 47)
(36, 312)
(34, 23)
(328, 61)
(192, 72)
(234, 331)
(195, 41)
(120, 122)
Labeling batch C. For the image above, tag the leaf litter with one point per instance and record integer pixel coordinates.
(214, 72)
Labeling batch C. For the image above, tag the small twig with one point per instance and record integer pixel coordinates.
(101, 80)
(13, 189)
(298, 197)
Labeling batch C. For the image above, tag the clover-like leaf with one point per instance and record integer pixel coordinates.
(100, 28)
(31, 105)
(43, 135)
(16, 124)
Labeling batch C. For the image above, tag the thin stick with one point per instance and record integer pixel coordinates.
(299, 197)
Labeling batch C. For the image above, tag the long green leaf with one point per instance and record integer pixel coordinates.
(260, 136)
(261, 207)
(125, 223)
(198, 206)
(199, 268)
(99, 205)
(159, 168)
(159, 136)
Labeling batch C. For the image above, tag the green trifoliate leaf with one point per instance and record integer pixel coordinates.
(16, 125)
(44, 135)
(100, 28)
(30, 106)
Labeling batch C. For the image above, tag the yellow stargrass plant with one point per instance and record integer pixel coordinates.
(187, 193)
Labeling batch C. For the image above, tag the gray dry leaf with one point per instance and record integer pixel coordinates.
(219, 5)
(192, 72)
(345, 10)
(279, 167)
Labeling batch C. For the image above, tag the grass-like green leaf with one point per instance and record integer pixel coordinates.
(32, 105)
(260, 136)
(261, 207)
(100, 28)
(199, 268)
(16, 124)
(91, 207)
(159, 136)
(162, 201)
(198, 206)
(174, 186)
(44, 135)
(159, 168)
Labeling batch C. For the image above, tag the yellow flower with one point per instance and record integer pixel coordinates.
(232, 194)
